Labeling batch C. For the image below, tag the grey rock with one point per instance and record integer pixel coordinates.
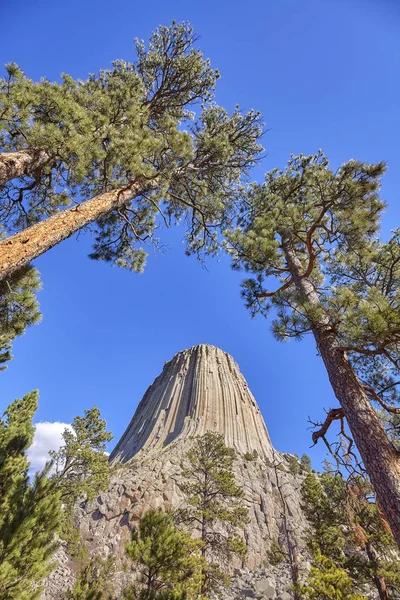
(285, 596)
(265, 588)
(200, 389)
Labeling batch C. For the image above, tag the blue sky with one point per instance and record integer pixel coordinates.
(325, 74)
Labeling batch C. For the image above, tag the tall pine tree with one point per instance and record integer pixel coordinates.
(81, 465)
(29, 511)
(168, 560)
(215, 505)
(326, 541)
(80, 469)
(300, 231)
(125, 147)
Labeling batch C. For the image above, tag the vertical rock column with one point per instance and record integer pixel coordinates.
(199, 390)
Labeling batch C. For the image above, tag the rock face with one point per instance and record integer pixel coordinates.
(200, 389)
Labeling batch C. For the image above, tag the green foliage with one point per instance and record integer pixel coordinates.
(133, 121)
(19, 308)
(80, 468)
(305, 463)
(250, 456)
(93, 580)
(325, 517)
(368, 282)
(168, 560)
(275, 554)
(372, 534)
(131, 593)
(334, 211)
(344, 512)
(308, 239)
(29, 511)
(294, 464)
(215, 507)
(71, 535)
(81, 465)
(50, 119)
(326, 581)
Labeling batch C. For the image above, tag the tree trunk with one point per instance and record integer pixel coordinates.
(379, 581)
(291, 546)
(21, 248)
(380, 458)
(23, 162)
(203, 537)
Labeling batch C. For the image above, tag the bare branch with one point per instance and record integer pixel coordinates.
(334, 414)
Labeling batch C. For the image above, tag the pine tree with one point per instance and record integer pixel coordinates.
(215, 507)
(371, 533)
(29, 512)
(294, 464)
(80, 468)
(370, 332)
(93, 580)
(325, 504)
(19, 308)
(168, 559)
(326, 581)
(305, 463)
(81, 465)
(326, 540)
(289, 542)
(125, 147)
(343, 513)
(306, 228)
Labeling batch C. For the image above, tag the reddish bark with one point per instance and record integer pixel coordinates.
(380, 457)
(20, 249)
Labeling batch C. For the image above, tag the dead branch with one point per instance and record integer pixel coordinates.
(333, 415)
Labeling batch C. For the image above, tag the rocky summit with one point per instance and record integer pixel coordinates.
(201, 389)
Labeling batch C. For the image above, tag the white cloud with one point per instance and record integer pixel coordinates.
(48, 436)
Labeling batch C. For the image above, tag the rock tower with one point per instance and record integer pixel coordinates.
(200, 389)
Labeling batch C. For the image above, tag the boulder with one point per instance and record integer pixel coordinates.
(265, 588)
(285, 596)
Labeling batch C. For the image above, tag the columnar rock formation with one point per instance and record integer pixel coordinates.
(200, 389)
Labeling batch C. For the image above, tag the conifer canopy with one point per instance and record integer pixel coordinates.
(147, 132)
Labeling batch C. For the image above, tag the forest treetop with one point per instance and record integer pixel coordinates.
(152, 121)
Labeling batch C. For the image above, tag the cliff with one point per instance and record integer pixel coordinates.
(200, 389)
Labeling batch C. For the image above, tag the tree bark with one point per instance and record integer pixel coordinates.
(380, 458)
(379, 581)
(203, 537)
(23, 162)
(21, 248)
